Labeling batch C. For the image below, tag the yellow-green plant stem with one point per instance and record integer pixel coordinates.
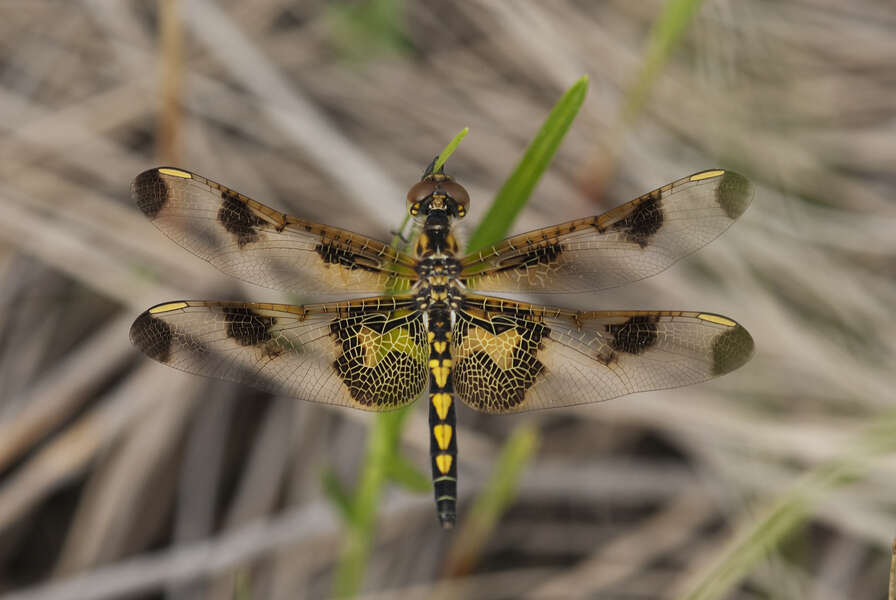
(789, 511)
(361, 510)
(891, 593)
(501, 487)
(515, 192)
(449, 149)
(382, 444)
(665, 35)
(493, 500)
(382, 462)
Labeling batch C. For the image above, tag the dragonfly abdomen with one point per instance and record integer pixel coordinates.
(442, 438)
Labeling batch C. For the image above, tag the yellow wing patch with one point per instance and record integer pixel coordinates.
(498, 347)
(377, 346)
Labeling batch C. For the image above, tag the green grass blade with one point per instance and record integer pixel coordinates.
(515, 192)
(382, 444)
(364, 30)
(891, 592)
(493, 500)
(337, 495)
(790, 511)
(381, 463)
(500, 489)
(665, 35)
(404, 473)
(449, 149)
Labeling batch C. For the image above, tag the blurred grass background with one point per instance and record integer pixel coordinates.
(122, 478)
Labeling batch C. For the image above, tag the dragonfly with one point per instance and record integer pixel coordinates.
(428, 325)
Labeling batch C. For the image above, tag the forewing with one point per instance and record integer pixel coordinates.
(368, 354)
(511, 357)
(631, 242)
(255, 243)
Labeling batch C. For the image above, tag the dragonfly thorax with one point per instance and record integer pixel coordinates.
(438, 284)
(438, 267)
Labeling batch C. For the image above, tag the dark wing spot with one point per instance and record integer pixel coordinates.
(734, 194)
(731, 350)
(543, 254)
(247, 327)
(644, 221)
(150, 192)
(152, 336)
(634, 336)
(335, 254)
(236, 218)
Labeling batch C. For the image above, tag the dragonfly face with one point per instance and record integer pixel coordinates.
(436, 333)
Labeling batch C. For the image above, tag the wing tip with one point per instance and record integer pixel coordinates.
(150, 192)
(731, 350)
(734, 194)
(151, 336)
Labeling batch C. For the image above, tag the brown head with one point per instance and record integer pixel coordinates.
(437, 191)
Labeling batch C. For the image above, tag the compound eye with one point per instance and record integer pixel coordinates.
(420, 191)
(457, 193)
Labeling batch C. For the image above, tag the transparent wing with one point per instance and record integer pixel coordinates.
(631, 242)
(255, 243)
(368, 354)
(513, 357)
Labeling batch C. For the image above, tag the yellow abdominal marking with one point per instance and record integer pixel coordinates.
(443, 435)
(439, 347)
(167, 307)
(441, 402)
(175, 173)
(717, 319)
(440, 370)
(705, 175)
(443, 462)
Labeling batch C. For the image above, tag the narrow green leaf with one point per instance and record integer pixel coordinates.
(891, 592)
(665, 35)
(404, 473)
(791, 510)
(364, 30)
(493, 500)
(515, 192)
(501, 487)
(242, 585)
(449, 149)
(337, 495)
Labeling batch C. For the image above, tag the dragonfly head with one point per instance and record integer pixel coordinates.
(437, 191)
